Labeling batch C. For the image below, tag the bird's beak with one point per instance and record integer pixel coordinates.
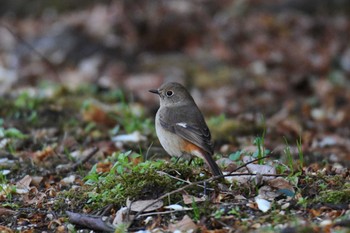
(155, 91)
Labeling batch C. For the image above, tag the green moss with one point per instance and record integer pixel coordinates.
(134, 182)
(334, 196)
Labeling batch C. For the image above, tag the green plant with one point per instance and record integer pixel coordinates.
(7, 189)
(235, 156)
(12, 133)
(196, 212)
(303, 202)
(219, 213)
(235, 211)
(334, 196)
(300, 153)
(215, 121)
(25, 101)
(71, 228)
(3, 179)
(261, 151)
(289, 156)
(127, 180)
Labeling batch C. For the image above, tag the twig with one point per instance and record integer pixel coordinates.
(244, 165)
(75, 165)
(41, 56)
(196, 183)
(164, 212)
(173, 177)
(84, 160)
(179, 179)
(254, 174)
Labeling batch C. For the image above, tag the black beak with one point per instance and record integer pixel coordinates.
(155, 91)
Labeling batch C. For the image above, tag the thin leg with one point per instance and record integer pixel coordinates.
(177, 159)
(190, 161)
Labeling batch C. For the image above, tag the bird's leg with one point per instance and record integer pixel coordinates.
(190, 161)
(177, 159)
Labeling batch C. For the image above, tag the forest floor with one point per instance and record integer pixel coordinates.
(78, 149)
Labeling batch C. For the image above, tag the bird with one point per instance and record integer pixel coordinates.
(180, 126)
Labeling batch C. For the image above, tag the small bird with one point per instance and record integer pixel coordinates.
(181, 127)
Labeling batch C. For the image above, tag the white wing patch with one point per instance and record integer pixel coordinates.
(182, 124)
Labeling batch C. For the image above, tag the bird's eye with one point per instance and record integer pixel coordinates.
(169, 93)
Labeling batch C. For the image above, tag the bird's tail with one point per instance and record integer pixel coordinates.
(213, 166)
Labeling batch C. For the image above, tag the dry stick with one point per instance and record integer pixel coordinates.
(244, 165)
(77, 164)
(42, 57)
(84, 160)
(164, 212)
(146, 157)
(196, 183)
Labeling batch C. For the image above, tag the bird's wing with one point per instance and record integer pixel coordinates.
(188, 123)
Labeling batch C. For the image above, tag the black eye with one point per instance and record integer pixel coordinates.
(169, 93)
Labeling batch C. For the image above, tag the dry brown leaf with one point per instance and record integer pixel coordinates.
(4, 229)
(268, 192)
(121, 216)
(6, 212)
(33, 197)
(282, 186)
(188, 199)
(185, 225)
(36, 180)
(95, 112)
(104, 167)
(141, 204)
(315, 213)
(22, 186)
(44, 154)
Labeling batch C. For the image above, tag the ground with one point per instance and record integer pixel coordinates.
(78, 149)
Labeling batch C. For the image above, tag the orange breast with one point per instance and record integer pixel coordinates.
(190, 147)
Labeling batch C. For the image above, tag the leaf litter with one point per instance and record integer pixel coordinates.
(76, 146)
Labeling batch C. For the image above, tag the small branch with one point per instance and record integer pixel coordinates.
(91, 222)
(42, 57)
(164, 212)
(75, 165)
(253, 161)
(87, 158)
(197, 183)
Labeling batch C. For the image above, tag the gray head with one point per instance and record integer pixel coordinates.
(172, 94)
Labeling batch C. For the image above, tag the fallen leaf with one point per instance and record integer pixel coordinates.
(141, 204)
(263, 204)
(22, 186)
(68, 180)
(33, 197)
(4, 212)
(176, 207)
(44, 154)
(36, 180)
(262, 169)
(282, 186)
(97, 112)
(188, 199)
(267, 192)
(4, 229)
(242, 179)
(133, 137)
(184, 225)
(121, 216)
(104, 167)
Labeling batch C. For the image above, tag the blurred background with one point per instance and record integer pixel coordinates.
(284, 64)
